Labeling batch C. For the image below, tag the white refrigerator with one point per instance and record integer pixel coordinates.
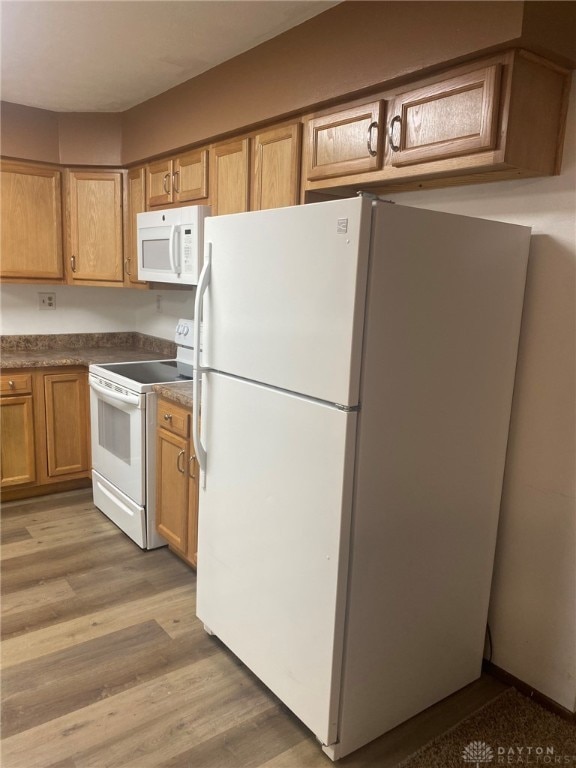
(356, 379)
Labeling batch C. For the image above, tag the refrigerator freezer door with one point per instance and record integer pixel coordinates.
(285, 304)
(274, 539)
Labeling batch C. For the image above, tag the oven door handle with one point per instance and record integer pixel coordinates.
(114, 398)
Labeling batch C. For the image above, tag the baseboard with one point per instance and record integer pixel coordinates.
(527, 690)
(17, 494)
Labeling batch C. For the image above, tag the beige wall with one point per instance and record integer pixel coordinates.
(533, 604)
(29, 134)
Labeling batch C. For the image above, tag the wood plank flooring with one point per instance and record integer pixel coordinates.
(104, 663)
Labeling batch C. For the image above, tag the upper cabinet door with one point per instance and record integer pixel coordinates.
(159, 183)
(95, 226)
(31, 222)
(135, 204)
(276, 167)
(345, 142)
(446, 119)
(190, 176)
(230, 174)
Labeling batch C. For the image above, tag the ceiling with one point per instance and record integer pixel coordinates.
(108, 55)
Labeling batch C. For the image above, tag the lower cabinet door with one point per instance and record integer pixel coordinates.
(67, 447)
(18, 465)
(172, 489)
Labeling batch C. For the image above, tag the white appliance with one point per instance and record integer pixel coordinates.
(123, 424)
(170, 244)
(357, 376)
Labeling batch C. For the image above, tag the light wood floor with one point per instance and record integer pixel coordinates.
(104, 663)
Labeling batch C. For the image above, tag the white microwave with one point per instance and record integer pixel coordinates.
(170, 244)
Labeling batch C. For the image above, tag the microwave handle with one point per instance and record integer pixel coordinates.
(172, 251)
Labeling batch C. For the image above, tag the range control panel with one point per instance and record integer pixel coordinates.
(184, 335)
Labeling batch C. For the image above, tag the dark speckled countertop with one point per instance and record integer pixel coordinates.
(179, 392)
(41, 351)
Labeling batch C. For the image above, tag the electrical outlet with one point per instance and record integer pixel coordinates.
(46, 301)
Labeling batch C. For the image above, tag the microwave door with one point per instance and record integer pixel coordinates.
(158, 253)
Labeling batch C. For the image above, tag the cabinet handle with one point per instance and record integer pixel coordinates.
(371, 152)
(73, 263)
(126, 265)
(165, 181)
(178, 466)
(191, 461)
(167, 417)
(395, 119)
(11, 384)
(176, 177)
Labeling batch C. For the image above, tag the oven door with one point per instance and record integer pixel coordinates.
(118, 421)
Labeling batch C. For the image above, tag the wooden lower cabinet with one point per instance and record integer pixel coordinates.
(45, 438)
(18, 456)
(176, 481)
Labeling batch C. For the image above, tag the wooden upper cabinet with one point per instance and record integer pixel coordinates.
(179, 179)
(230, 176)
(190, 176)
(159, 183)
(95, 222)
(276, 167)
(345, 142)
(135, 204)
(31, 222)
(457, 116)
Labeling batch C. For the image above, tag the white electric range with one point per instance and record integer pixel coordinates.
(123, 423)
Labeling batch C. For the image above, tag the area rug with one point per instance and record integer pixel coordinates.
(510, 730)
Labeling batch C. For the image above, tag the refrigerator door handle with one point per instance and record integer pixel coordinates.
(203, 284)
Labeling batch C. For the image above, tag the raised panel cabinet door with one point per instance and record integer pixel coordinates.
(230, 177)
(172, 488)
(31, 222)
(67, 426)
(96, 226)
(136, 203)
(345, 142)
(276, 167)
(453, 117)
(159, 183)
(190, 176)
(18, 464)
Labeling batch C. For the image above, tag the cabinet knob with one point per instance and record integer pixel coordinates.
(178, 465)
(167, 417)
(165, 181)
(191, 461)
(73, 263)
(11, 384)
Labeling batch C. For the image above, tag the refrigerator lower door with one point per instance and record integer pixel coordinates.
(274, 528)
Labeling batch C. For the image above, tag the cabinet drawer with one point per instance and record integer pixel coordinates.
(16, 384)
(174, 418)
